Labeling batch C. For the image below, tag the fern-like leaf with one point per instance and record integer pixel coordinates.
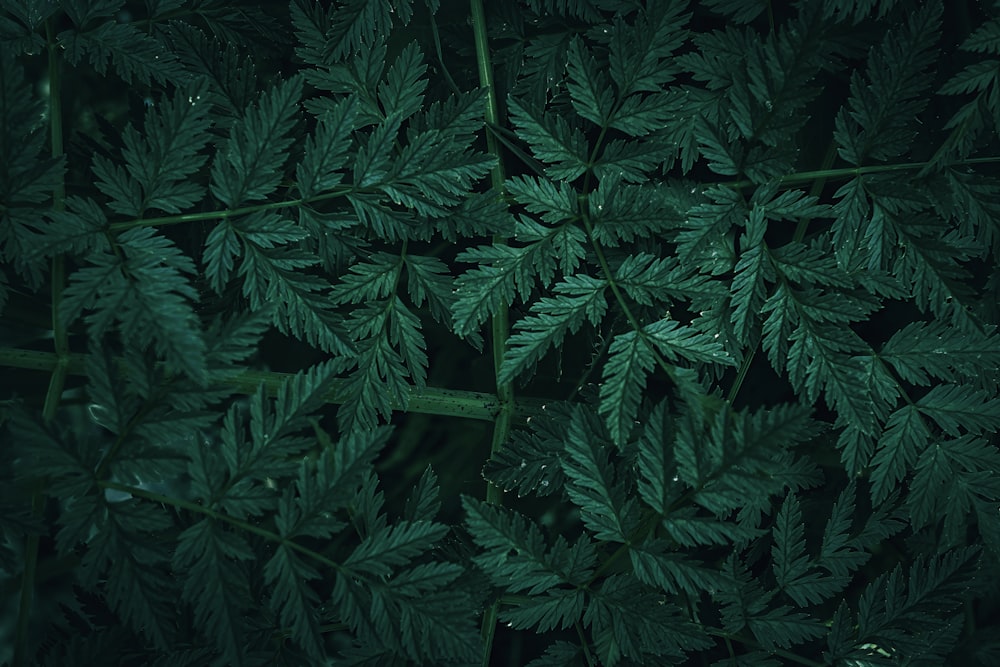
(147, 294)
(249, 167)
(605, 508)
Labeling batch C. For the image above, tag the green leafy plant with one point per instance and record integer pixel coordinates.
(596, 332)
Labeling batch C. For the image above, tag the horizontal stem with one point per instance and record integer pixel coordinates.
(852, 172)
(219, 214)
(430, 400)
(218, 516)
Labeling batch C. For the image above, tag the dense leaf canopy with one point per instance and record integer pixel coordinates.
(718, 278)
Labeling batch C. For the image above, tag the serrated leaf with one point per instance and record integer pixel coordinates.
(896, 612)
(577, 299)
(293, 599)
(144, 290)
(376, 387)
(552, 140)
(531, 461)
(985, 39)
(558, 654)
(432, 173)
(693, 530)
(371, 162)
(372, 280)
(424, 501)
(629, 620)
(905, 436)
(504, 272)
(402, 92)
(325, 153)
(839, 554)
(175, 133)
(630, 359)
(675, 342)
(953, 478)
(784, 628)
(604, 506)
(959, 407)
(656, 483)
(380, 553)
(793, 569)
(875, 124)
(218, 591)
(553, 202)
(556, 608)
(135, 56)
(588, 86)
(428, 281)
(753, 270)
(249, 168)
(516, 555)
(922, 350)
(274, 276)
(655, 565)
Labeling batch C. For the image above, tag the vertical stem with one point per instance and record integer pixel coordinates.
(500, 324)
(58, 277)
(61, 343)
(27, 591)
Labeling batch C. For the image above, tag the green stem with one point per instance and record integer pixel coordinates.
(58, 278)
(336, 193)
(27, 589)
(817, 189)
(741, 375)
(59, 370)
(500, 325)
(583, 645)
(440, 55)
(787, 655)
(852, 172)
(494, 135)
(219, 516)
(622, 301)
(430, 400)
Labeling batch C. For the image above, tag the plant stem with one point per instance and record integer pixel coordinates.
(787, 655)
(219, 516)
(162, 221)
(59, 370)
(58, 277)
(501, 323)
(852, 172)
(430, 400)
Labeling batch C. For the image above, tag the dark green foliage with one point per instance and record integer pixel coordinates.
(721, 276)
